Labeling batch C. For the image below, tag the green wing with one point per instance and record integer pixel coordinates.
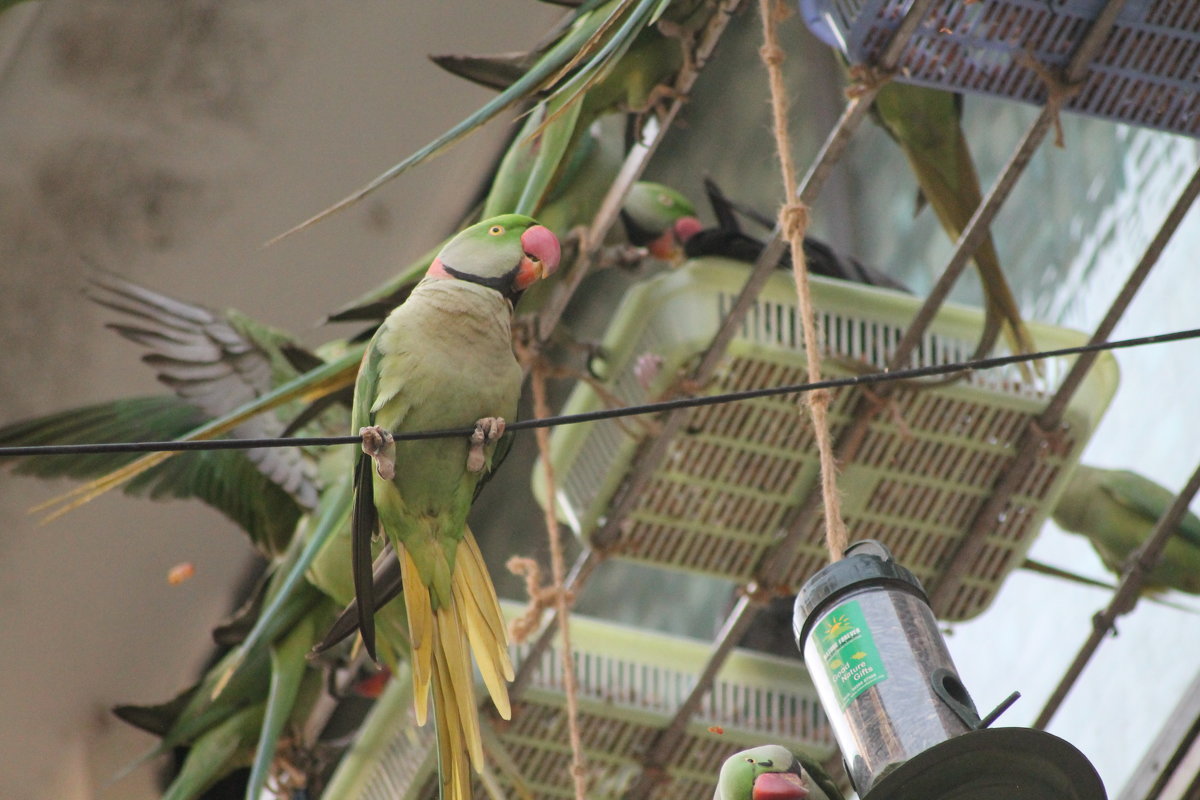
(1150, 500)
(225, 479)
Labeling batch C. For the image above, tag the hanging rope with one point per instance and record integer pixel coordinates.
(561, 600)
(793, 221)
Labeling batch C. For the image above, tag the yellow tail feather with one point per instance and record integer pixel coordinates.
(453, 749)
(452, 669)
(443, 641)
(420, 632)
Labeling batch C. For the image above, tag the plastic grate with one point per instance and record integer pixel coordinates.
(1147, 72)
(631, 682)
(731, 479)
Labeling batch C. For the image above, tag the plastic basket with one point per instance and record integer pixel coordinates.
(1146, 73)
(716, 504)
(630, 683)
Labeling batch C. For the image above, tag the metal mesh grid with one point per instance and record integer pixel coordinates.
(1146, 73)
(732, 477)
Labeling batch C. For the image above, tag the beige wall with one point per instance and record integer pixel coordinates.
(167, 141)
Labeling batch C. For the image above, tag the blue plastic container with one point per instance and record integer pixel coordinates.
(1146, 73)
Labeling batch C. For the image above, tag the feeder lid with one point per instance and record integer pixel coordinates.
(866, 562)
(994, 764)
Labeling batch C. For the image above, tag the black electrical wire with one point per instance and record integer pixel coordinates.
(604, 413)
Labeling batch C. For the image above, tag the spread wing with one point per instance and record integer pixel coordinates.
(216, 364)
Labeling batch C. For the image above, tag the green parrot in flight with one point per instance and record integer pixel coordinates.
(1116, 509)
(213, 362)
(769, 772)
(443, 359)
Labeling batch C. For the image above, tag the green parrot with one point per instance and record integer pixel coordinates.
(236, 714)
(441, 360)
(659, 218)
(768, 772)
(611, 58)
(213, 363)
(580, 63)
(926, 123)
(1116, 509)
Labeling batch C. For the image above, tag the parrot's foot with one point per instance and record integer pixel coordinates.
(624, 256)
(487, 430)
(381, 447)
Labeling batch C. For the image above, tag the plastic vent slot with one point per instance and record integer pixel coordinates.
(630, 683)
(1147, 72)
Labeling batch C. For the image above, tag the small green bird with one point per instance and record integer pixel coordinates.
(926, 123)
(659, 218)
(769, 772)
(1116, 509)
(441, 360)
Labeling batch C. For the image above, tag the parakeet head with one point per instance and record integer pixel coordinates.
(769, 772)
(659, 218)
(508, 253)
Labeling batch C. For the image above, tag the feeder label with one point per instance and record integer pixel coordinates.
(848, 650)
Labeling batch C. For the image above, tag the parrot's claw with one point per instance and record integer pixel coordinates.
(487, 430)
(381, 447)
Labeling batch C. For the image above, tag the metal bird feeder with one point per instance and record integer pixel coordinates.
(905, 724)
(1144, 74)
(735, 473)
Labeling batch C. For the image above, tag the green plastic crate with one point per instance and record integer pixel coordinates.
(630, 684)
(716, 504)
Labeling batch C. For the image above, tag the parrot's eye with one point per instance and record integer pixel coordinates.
(665, 200)
(749, 760)
(496, 230)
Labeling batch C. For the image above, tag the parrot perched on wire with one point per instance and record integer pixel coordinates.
(1116, 509)
(441, 360)
(768, 772)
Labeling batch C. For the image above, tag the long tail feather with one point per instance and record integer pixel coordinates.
(420, 631)
(475, 599)
(453, 762)
(443, 642)
(365, 523)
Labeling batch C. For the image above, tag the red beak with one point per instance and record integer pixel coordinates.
(779, 786)
(542, 253)
(686, 228)
(669, 246)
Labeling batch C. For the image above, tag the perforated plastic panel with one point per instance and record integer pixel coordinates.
(928, 462)
(1146, 73)
(630, 683)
